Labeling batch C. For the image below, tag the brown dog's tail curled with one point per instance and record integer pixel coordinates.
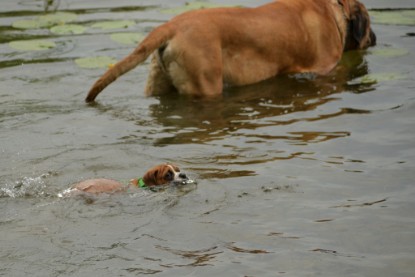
(157, 38)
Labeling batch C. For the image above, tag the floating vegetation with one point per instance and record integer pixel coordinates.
(68, 29)
(374, 78)
(30, 24)
(95, 62)
(393, 17)
(32, 45)
(127, 38)
(45, 21)
(57, 24)
(115, 24)
(390, 52)
(191, 6)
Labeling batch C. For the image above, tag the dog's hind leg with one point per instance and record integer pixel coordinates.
(158, 82)
(198, 72)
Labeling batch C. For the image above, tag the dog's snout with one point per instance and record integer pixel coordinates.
(182, 176)
(372, 37)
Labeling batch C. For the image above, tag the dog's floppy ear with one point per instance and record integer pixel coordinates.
(359, 33)
(151, 177)
(358, 27)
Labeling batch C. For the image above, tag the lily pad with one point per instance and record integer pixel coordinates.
(127, 38)
(58, 18)
(191, 6)
(381, 77)
(29, 24)
(390, 52)
(68, 29)
(45, 21)
(116, 24)
(32, 45)
(395, 17)
(95, 62)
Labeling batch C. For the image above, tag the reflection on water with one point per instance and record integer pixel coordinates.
(269, 103)
(51, 5)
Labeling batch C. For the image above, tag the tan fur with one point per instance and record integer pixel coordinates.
(198, 52)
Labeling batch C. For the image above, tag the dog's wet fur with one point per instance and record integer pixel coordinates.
(156, 176)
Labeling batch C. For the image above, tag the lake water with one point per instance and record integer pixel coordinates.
(297, 176)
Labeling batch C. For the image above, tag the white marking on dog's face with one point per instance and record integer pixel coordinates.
(178, 176)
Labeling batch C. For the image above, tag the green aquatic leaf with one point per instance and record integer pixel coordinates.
(68, 29)
(32, 45)
(191, 6)
(374, 78)
(95, 62)
(29, 24)
(127, 38)
(390, 52)
(45, 21)
(115, 24)
(58, 18)
(395, 17)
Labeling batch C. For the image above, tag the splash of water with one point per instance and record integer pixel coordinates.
(26, 187)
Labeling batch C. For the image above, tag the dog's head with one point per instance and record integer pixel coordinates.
(163, 174)
(359, 34)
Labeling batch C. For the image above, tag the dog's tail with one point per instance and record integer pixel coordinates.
(157, 38)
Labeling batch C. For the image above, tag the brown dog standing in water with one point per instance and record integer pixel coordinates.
(196, 53)
(159, 175)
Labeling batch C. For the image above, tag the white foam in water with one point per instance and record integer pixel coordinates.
(65, 193)
(28, 186)
(8, 191)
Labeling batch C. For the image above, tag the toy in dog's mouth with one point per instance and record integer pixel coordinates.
(184, 182)
(180, 184)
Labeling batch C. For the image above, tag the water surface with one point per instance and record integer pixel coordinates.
(297, 176)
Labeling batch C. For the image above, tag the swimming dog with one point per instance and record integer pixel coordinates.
(198, 52)
(159, 175)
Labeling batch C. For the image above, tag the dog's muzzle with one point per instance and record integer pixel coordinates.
(372, 38)
(182, 179)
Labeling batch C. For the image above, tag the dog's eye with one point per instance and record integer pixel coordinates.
(169, 176)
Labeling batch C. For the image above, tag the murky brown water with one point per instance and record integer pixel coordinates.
(297, 176)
